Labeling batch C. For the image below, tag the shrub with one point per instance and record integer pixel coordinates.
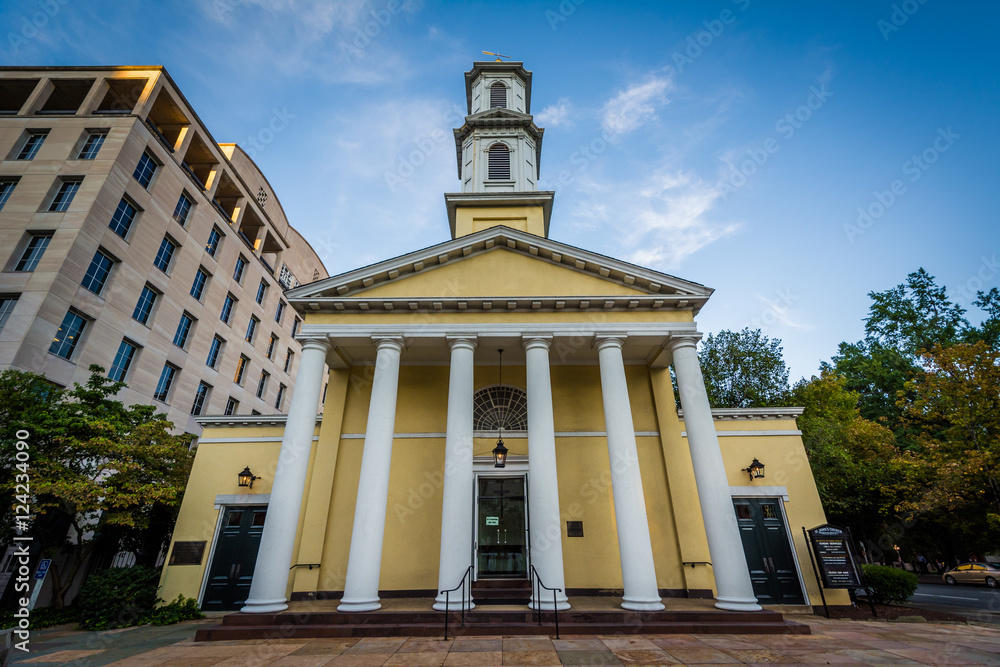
(40, 618)
(181, 609)
(889, 584)
(117, 598)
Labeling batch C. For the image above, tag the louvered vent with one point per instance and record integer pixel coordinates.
(499, 162)
(498, 96)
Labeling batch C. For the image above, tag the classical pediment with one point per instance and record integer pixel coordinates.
(503, 269)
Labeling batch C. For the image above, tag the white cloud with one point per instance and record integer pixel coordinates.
(555, 115)
(662, 220)
(339, 41)
(635, 105)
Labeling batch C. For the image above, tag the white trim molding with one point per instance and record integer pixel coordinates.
(735, 414)
(759, 491)
(232, 499)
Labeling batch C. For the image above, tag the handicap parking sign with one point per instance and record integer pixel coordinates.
(43, 568)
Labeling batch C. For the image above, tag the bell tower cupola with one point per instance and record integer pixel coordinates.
(499, 151)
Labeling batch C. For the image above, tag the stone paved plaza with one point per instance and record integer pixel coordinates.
(832, 642)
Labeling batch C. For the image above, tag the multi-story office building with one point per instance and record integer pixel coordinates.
(129, 238)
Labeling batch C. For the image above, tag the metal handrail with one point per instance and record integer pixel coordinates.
(447, 599)
(536, 594)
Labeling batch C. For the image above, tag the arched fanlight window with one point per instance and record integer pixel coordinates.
(498, 96)
(499, 167)
(500, 405)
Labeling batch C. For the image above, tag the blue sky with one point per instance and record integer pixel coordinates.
(728, 142)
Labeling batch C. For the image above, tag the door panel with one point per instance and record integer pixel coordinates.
(501, 528)
(231, 572)
(769, 556)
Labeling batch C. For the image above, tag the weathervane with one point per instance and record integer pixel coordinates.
(498, 55)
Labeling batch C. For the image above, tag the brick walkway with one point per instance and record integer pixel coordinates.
(832, 642)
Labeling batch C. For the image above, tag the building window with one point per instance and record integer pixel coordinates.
(262, 384)
(241, 266)
(145, 305)
(270, 346)
(64, 197)
(200, 398)
(6, 188)
(68, 335)
(232, 405)
(121, 221)
(227, 308)
(166, 381)
(183, 329)
(500, 405)
(122, 362)
(145, 169)
(31, 145)
(286, 279)
(279, 312)
(92, 145)
(198, 286)
(255, 412)
(97, 273)
(295, 326)
(261, 291)
(499, 165)
(281, 397)
(498, 96)
(288, 359)
(214, 238)
(164, 254)
(241, 369)
(252, 329)
(7, 304)
(33, 252)
(182, 209)
(214, 351)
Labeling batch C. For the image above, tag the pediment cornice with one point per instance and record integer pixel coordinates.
(653, 290)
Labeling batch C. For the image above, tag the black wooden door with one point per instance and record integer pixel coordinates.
(768, 553)
(235, 556)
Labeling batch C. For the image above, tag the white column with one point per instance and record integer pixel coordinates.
(364, 561)
(734, 591)
(274, 559)
(544, 522)
(459, 492)
(638, 573)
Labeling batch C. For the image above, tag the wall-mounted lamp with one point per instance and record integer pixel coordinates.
(755, 470)
(247, 478)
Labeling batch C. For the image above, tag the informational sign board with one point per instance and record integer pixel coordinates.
(187, 553)
(492, 521)
(832, 547)
(43, 568)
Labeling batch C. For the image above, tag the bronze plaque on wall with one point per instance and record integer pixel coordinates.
(574, 529)
(187, 553)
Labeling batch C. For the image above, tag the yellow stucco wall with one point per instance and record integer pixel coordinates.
(529, 219)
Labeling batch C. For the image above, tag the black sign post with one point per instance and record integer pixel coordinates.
(835, 560)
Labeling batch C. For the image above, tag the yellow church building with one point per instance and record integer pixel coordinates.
(600, 484)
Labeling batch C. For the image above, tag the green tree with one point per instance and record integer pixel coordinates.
(989, 330)
(854, 461)
(915, 316)
(744, 369)
(95, 466)
(953, 406)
